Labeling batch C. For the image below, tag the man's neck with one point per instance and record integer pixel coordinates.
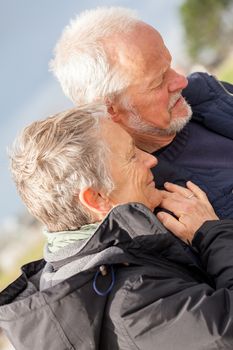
(151, 143)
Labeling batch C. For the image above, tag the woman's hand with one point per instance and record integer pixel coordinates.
(191, 207)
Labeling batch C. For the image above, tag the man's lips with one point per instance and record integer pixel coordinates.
(179, 101)
(175, 100)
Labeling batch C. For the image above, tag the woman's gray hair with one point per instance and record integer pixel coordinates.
(53, 159)
(81, 63)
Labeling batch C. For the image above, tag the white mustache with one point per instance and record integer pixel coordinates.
(174, 98)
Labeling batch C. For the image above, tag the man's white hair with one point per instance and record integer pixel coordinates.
(53, 159)
(81, 63)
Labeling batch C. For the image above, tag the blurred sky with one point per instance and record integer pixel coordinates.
(28, 32)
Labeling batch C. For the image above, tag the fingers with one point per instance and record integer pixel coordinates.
(186, 191)
(196, 190)
(180, 199)
(165, 194)
(178, 204)
(172, 224)
(190, 206)
(183, 191)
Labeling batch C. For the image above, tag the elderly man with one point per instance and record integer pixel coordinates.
(108, 54)
(114, 277)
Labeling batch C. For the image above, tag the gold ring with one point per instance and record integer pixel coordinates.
(190, 196)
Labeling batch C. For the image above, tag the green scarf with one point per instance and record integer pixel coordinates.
(60, 239)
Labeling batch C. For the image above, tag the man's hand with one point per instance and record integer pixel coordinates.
(191, 207)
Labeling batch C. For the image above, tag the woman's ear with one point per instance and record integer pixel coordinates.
(95, 201)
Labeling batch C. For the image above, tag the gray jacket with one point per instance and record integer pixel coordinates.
(153, 295)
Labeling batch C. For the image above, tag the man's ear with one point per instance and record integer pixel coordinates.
(113, 110)
(95, 201)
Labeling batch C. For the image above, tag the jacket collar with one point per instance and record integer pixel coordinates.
(135, 230)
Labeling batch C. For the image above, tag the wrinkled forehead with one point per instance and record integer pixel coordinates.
(138, 50)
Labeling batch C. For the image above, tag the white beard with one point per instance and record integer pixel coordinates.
(136, 123)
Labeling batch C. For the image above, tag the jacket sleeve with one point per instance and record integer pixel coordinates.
(169, 310)
(214, 241)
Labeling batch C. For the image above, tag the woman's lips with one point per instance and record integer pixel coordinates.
(151, 183)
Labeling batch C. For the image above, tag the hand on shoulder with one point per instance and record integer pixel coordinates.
(191, 207)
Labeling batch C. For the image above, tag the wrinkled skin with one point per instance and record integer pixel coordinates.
(190, 206)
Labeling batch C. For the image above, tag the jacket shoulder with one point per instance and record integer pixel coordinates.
(212, 103)
(61, 317)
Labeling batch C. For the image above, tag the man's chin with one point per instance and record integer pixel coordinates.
(178, 124)
(137, 126)
(179, 120)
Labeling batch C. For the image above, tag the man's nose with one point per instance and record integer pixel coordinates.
(177, 81)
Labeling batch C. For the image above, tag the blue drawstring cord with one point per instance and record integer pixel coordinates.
(102, 294)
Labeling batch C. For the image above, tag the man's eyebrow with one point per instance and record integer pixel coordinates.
(156, 81)
(161, 72)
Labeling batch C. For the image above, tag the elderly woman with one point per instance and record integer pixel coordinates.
(113, 277)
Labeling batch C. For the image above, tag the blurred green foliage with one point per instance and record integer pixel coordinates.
(225, 70)
(35, 253)
(208, 26)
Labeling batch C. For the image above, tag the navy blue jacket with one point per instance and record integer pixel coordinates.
(203, 151)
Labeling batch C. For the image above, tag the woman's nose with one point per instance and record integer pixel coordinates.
(151, 161)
